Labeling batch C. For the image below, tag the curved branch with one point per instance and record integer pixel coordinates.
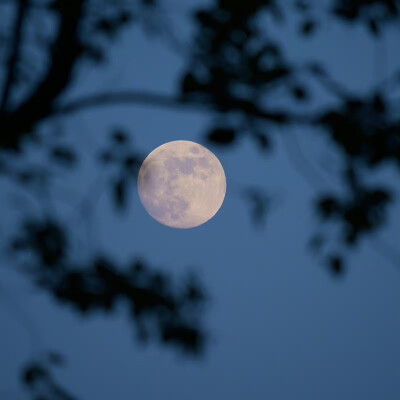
(125, 97)
(167, 101)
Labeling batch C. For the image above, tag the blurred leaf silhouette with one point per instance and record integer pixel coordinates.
(39, 380)
(259, 203)
(373, 13)
(232, 68)
(159, 310)
(121, 155)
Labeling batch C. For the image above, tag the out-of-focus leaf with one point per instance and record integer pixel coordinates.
(55, 358)
(120, 137)
(222, 135)
(119, 190)
(94, 53)
(259, 204)
(189, 84)
(336, 264)
(32, 373)
(302, 5)
(316, 69)
(328, 206)
(299, 93)
(63, 155)
(378, 103)
(26, 177)
(110, 25)
(132, 164)
(38, 378)
(262, 141)
(45, 239)
(106, 157)
(308, 27)
(373, 27)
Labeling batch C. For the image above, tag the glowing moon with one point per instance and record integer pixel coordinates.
(182, 184)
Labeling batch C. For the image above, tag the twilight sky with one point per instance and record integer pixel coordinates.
(280, 326)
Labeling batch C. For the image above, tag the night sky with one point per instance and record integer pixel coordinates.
(280, 325)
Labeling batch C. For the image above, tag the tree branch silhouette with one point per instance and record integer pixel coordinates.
(233, 69)
(66, 50)
(174, 102)
(14, 53)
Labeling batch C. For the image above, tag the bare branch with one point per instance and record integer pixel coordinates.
(14, 52)
(31, 4)
(126, 97)
(66, 50)
(167, 101)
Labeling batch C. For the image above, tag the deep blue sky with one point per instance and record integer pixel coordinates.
(281, 327)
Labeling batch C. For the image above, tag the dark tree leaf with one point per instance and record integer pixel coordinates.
(369, 12)
(27, 177)
(222, 135)
(32, 373)
(63, 155)
(94, 53)
(120, 137)
(191, 338)
(336, 264)
(39, 380)
(299, 93)
(262, 141)
(317, 69)
(46, 240)
(308, 27)
(373, 27)
(120, 187)
(110, 25)
(328, 206)
(302, 5)
(106, 157)
(190, 84)
(55, 358)
(60, 6)
(259, 203)
(132, 164)
(378, 103)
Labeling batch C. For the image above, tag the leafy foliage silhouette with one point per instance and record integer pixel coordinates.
(159, 309)
(237, 67)
(233, 67)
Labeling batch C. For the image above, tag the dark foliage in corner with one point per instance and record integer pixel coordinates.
(236, 67)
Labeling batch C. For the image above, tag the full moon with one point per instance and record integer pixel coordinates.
(181, 184)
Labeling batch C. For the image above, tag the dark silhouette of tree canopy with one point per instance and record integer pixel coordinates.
(232, 68)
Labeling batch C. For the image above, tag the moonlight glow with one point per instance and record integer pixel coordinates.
(182, 184)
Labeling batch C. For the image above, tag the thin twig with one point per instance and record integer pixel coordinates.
(19, 313)
(300, 162)
(144, 98)
(386, 251)
(14, 53)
